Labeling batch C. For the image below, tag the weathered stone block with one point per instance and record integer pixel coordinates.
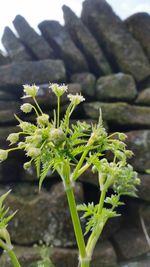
(139, 143)
(87, 81)
(131, 243)
(139, 26)
(63, 46)
(15, 49)
(104, 256)
(38, 72)
(86, 43)
(38, 46)
(144, 97)
(144, 187)
(41, 216)
(118, 86)
(123, 50)
(119, 114)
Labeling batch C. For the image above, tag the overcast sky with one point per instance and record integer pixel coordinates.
(37, 10)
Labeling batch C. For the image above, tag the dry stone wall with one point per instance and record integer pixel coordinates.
(106, 59)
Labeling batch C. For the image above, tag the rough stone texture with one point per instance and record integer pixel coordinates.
(86, 42)
(144, 213)
(115, 38)
(120, 114)
(41, 216)
(63, 45)
(39, 48)
(87, 81)
(140, 262)
(104, 256)
(130, 243)
(47, 98)
(3, 59)
(37, 72)
(7, 111)
(144, 187)
(15, 49)
(139, 143)
(7, 96)
(118, 86)
(139, 25)
(144, 97)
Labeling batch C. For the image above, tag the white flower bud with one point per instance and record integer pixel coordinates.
(30, 90)
(76, 99)
(27, 126)
(43, 119)
(3, 154)
(57, 136)
(33, 152)
(26, 108)
(27, 165)
(58, 90)
(13, 138)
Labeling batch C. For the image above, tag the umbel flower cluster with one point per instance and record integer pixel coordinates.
(54, 144)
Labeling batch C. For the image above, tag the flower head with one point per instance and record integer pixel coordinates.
(33, 152)
(57, 136)
(3, 154)
(30, 90)
(26, 108)
(13, 138)
(27, 126)
(43, 119)
(76, 99)
(58, 90)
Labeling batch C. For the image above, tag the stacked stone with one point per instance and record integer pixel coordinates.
(107, 60)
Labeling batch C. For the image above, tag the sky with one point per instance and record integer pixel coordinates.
(36, 11)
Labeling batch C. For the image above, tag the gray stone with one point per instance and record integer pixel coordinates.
(139, 26)
(119, 114)
(123, 50)
(140, 262)
(38, 46)
(38, 72)
(7, 96)
(139, 143)
(63, 46)
(118, 86)
(87, 81)
(15, 49)
(131, 243)
(7, 111)
(41, 216)
(144, 187)
(144, 213)
(4, 59)
(104, 256)
(86, 43)
(144, 97)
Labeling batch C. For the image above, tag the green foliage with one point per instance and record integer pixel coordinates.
(70, 150)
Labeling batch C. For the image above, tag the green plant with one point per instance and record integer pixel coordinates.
(71, 150)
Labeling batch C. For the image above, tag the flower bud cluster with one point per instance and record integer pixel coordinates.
(58, 90)
(30, 90)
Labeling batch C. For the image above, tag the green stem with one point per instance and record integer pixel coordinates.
(85, 264)
(75, 173)
(37, 105)
(97, 231)
(101, 201)
(76, 224)
(58, 110)
(11, 254)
